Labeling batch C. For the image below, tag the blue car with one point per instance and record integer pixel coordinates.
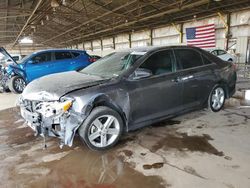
(43, 63)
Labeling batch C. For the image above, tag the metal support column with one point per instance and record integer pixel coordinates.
(226, 24)
(180, 31)
(129, 40)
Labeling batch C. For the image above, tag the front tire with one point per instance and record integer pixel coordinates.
(216, 98)
(17, 84)
(102, 128)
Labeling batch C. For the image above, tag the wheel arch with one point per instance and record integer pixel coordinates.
(18, 72)
(224, 85)
(104, 100)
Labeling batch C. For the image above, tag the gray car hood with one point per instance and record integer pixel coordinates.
(54, 86)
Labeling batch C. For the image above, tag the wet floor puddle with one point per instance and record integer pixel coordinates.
(183, 142)
(31, 166)
(84, 168)
(26, 164)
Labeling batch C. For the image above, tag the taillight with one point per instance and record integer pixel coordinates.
(92, 60)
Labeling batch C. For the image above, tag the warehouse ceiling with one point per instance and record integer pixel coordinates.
(60, 23)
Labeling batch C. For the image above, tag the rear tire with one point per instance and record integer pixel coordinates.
(102, 128)
(17, 84)
(216, 98)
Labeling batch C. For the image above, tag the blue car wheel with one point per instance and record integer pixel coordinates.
(17, 84)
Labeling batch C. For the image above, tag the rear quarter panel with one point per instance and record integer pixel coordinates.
(227, 76)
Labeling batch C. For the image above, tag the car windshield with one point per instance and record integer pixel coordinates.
(113, 64)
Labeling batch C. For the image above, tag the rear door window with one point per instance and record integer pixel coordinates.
(62, 55)
(188, 58)
(42, 57)
(206, 61)
(75, 54)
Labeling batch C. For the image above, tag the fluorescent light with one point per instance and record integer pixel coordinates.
(26, 40)
(54, 3)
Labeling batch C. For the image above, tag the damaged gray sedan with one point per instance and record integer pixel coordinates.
(125, 91)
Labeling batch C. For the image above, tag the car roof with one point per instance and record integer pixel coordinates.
(58, 50)
(153, 48)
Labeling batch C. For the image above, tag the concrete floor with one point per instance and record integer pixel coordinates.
(199, 149)
(7, 100)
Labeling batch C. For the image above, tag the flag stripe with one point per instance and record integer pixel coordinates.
(206, 31)
(205, 35)
(209, 25)
(201, 36)
(205, 28)
(200, 40)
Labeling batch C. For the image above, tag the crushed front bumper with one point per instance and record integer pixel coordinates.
(32, 119)
(63, 127)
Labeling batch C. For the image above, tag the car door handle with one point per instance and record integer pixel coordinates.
(179, 79)
(187, 77)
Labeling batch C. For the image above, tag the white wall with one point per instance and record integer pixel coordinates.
(141, 38)
(166, 35)
(240, 29)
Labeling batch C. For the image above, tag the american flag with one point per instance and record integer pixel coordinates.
(201, 36)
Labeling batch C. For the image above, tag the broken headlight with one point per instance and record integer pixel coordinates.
(53, 109)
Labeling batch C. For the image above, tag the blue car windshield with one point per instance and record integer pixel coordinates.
(113, 64)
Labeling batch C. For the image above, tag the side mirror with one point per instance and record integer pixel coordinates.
(141, 73)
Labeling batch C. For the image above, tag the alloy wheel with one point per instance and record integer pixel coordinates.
(103, 131)
(218, 98)
(19, 84)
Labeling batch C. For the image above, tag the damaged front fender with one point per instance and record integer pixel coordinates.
(71, 124)
(118, 102)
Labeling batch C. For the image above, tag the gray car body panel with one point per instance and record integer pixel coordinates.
(139, 102)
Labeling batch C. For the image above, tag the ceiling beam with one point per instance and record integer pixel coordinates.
(90, 20)
(27, 22)
(145, 18)
(109, 10)
(3, 31)
(14, 16)
(156, 22)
